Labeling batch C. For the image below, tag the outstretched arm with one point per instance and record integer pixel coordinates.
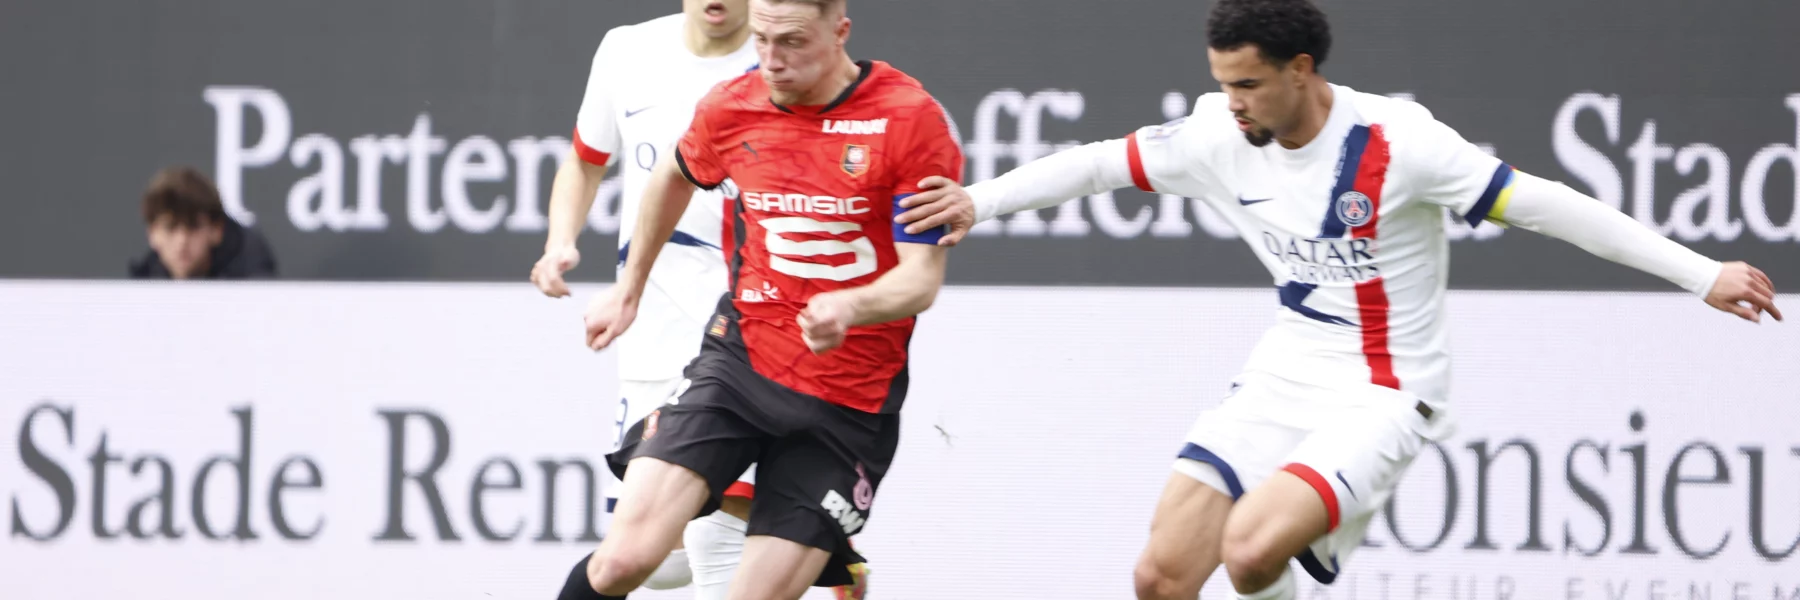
(1553, 209)
(1053, 180)
(1151, 163)
(1456, 174)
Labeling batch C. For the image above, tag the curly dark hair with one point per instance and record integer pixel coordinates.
(1280, 29)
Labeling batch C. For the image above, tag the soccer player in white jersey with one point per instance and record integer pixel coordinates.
(645, 81)
(1342, 195)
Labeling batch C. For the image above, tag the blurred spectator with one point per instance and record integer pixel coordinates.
(192, 238)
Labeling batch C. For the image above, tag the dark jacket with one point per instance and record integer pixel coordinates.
(242, 253)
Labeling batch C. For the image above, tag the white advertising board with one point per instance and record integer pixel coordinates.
(196, 441)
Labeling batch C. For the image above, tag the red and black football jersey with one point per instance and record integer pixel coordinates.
(815, 194)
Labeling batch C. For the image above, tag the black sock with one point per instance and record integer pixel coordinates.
(577, 586)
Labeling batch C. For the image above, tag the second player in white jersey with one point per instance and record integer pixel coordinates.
(640, 98)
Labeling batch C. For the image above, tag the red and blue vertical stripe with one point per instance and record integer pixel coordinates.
(1363, 169)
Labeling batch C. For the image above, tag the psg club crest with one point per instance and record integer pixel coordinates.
(856, 159)
(1355, 209)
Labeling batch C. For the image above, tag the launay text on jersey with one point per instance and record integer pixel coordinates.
(875, 127)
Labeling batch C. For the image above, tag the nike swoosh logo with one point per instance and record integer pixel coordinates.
(1347, 488)
(632, 113)
(752, 150)
(1247, 201)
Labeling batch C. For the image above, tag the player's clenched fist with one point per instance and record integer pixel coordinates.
(547, 274)
(826, 321)
(608, 316)
(1740, 283)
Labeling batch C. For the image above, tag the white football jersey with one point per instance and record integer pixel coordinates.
(1351, 226)
(640, 98)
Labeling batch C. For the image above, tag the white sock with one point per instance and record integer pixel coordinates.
(1282, 589)
(715, 545)
(672, 573)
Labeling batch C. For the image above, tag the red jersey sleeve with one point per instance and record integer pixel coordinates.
(934, 150)
(697, 153)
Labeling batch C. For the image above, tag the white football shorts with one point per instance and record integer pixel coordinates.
(1351, 443)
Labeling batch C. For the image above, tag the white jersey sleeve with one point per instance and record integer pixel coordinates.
(1449, 171)
(1052, 180)
(1154, 158)
(1170, 158)
(1445, 169)
(1552, 209)
(597, 136)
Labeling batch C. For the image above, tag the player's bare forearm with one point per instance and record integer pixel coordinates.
(571, 198)
(907, 290)
(665, 198)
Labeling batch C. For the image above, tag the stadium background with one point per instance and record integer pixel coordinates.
(1656, 449)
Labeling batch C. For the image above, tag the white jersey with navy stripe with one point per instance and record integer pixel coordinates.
(640, 98)
(1351, 226)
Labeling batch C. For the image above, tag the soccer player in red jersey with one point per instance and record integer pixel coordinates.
(803, 368)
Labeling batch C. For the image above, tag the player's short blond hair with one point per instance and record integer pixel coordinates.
(826, 7)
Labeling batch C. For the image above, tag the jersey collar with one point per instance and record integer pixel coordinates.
(1337, 124)
(866, 68)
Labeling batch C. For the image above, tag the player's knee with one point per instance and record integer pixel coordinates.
(1154, 582)
(1250, 559)
(672, 573)
(621, 567)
